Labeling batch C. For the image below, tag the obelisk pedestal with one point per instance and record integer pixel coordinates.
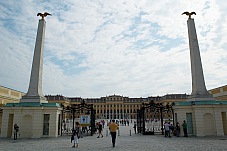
(34, 115)
(204, 115)
(34, 93)
(199, 91)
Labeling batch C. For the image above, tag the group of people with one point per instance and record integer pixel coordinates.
(169, 128)
(112, 128)
(124, 122)
(100, 127)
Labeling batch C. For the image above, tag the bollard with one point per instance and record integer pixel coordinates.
(118, 132)
(130, 133)
(106, 133)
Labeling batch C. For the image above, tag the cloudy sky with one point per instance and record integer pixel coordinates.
(95, 48)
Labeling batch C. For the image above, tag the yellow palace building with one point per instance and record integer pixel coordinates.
(8, 95)
(107, 107)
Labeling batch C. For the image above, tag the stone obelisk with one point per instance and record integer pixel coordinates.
(199, 91)
(34, 93)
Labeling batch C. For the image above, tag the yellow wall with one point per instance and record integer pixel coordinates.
(219, 93)
(9, 95)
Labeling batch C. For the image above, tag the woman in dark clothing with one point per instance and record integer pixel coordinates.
(16, 129)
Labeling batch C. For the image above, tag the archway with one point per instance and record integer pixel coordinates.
(208, 124)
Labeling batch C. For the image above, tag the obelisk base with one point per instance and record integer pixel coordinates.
(201, 97)
(40, 99)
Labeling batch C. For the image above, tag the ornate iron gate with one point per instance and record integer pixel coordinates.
(151, 113)
(80, 109)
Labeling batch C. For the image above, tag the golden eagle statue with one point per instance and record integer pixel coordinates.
(43, 15)
(189, 14)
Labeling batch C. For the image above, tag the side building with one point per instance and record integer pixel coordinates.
(8, 95)
(219, 93)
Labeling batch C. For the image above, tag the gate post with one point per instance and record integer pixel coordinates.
(92, 120)
(73, 116)
(161, 109)
(143, 126)
(62, 112)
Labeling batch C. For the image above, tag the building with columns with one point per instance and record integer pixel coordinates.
(113, 106)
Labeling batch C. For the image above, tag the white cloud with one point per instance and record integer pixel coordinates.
(98, 48)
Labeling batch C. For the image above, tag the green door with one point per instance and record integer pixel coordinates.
(189, 123)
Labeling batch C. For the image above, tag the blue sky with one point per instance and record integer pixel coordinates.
(95, 48)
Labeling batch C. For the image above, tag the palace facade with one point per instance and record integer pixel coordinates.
(108, 107)
(115, 106)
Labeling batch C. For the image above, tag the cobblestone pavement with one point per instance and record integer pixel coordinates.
(125, 142)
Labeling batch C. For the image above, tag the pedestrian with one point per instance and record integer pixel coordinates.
(97, 128)
(171, 129)
(177, 129)
(100, 130)
(103, 123)
(185, 129)
(134, 127)
(75, 133)
(16, 130)
(167, 130)
(64, 129)
(113, 131)
(81, 132)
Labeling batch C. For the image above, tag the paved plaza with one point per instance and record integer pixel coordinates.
(125, 142)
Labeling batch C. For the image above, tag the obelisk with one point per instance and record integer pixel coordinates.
(199, 91)
(34, 93)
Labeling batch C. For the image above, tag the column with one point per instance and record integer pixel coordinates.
(106, 110)
(218, 122)
(199, 91)
(34, 93)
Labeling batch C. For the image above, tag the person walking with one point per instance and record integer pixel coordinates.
(113, 131)
(167, 130)
(177, 128)
(103, 123)
(76, 132)
(171, 127)
(185, 129)
(134, 127)
(16, 130)
(100, 130)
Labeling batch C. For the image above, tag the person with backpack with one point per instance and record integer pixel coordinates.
(75, 135)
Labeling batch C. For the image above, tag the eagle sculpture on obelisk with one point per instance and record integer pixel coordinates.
(189, 14)
(199, 91)
(34, 93)
(43, 15)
